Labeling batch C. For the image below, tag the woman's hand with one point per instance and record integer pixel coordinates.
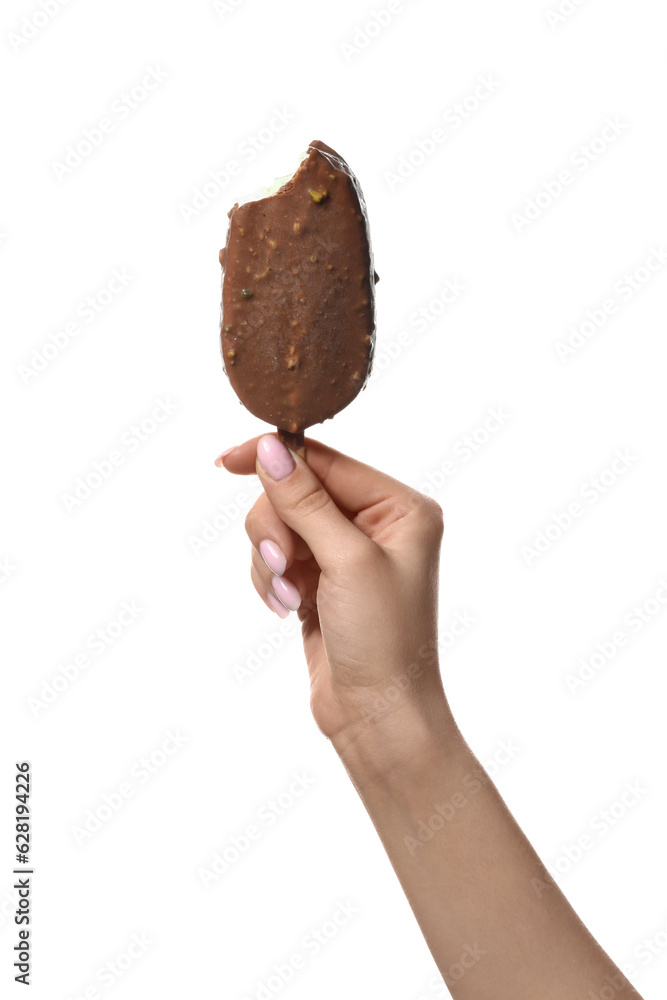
(360, 552)
(356, 553)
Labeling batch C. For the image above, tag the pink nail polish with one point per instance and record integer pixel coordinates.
(286, 593)
(222, 454)
(273, 556)
(279, 608)
(274, 457)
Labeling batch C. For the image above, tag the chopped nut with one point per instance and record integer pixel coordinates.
(367, 338)
(318, 196)
(313, 258)
(356, 376)
(231, 353)
(292, 363)
(292, 349)
(272, 244)
(261, 236)
(241, 232)
(246, 293)
(297, 228)
(227, 328)
(329, 267)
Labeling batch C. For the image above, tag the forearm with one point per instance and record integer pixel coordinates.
(497, 925)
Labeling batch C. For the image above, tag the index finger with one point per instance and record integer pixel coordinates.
(352, 485)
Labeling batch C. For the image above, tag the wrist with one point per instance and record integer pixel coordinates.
(385, 747)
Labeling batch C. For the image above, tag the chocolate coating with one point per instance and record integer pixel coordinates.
(298, 296)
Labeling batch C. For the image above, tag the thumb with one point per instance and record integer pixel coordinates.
(301, 501)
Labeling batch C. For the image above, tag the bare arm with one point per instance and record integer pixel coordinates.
(356, 553)
(497, 925)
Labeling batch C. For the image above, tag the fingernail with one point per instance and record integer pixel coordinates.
(273, 556)
(222, 454)
(274, 457)
(279, 608)
(286, 593)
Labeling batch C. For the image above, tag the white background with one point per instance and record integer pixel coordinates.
(456, 217)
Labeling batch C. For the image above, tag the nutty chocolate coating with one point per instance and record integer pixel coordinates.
(298, 296)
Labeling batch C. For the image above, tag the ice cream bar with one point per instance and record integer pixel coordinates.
(298, 297)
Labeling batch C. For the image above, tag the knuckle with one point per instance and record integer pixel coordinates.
(311, 500)
(255, 580)
(254, 518)
(362, 561)
(249, 521)
(431, 517)
(359, 558)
